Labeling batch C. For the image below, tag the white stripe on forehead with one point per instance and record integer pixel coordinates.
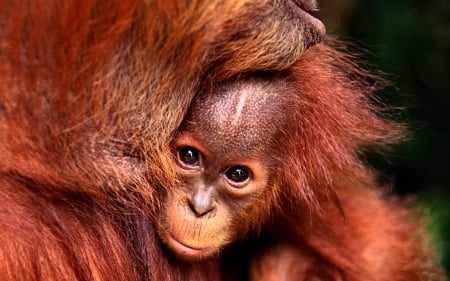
(239, 118)
(240, 105)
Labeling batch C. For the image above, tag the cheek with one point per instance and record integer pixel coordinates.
(190, 236)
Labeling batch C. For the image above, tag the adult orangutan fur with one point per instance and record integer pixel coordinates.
(92, 94)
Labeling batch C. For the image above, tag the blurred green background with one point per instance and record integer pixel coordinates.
(410, 41)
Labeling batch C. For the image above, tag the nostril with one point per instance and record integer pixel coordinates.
(200, 206)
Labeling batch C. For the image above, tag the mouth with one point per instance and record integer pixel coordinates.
(305, 9)
(306, 5)
(183, 249)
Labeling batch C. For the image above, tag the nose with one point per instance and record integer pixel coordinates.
(201, 203)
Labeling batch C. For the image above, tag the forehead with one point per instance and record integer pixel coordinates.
(239, 118)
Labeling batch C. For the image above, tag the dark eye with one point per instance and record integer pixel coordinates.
(189, 156)
(238, 174)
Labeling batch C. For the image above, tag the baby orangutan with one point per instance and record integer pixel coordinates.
(225, 152)
(271, 185)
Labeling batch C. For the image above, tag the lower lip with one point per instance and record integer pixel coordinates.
(182, 248)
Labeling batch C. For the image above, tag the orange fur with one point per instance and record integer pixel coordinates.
(91, 94)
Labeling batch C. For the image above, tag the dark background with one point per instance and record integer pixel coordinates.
(410, 41)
